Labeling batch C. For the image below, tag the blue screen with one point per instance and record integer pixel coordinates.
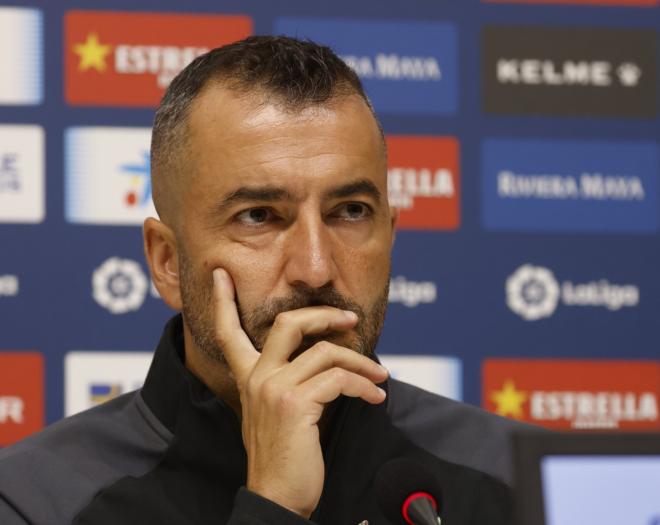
(601, 490)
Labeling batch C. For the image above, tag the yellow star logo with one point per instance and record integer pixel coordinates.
(509, 401)
(92, 53)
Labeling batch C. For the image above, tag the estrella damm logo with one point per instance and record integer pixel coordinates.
(128, 59)
(574, 394)
(21, 395)
(423, 181)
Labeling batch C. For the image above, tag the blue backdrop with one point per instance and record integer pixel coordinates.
(524, 198)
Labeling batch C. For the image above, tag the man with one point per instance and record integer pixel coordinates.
(263, 404)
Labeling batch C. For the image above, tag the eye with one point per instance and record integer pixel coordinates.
(255, 216)
(353, 211)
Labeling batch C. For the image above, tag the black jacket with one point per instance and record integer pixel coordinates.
(172, 453)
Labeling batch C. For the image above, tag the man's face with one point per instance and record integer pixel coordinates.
(293, 206)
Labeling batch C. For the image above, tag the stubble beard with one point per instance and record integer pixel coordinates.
(197, 306)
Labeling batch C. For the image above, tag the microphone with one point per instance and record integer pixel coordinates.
(408, 493)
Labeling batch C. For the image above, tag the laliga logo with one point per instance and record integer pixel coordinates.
(119, 285)
(532, 292)
(411, 293)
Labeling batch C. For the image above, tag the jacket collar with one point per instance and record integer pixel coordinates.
(170, 387)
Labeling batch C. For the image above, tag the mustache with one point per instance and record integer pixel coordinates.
(264, 316)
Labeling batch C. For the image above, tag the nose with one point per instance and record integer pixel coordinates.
(309, 253)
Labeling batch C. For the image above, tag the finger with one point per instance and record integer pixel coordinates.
(329, 385)
(325, 355)
(290, 327)
(234, 342)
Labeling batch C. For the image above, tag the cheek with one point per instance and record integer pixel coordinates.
(253, 274)
(367, 270)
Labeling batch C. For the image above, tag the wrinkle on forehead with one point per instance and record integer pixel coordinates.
(234, 134)
(274, 115)
(219, 115)
(260, 110)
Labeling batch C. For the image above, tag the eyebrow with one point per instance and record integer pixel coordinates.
(263, 193)
(362, 186)
(275, 194)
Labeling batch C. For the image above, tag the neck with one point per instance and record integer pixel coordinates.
(214, 373)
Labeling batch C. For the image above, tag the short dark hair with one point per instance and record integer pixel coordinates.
(294, 73)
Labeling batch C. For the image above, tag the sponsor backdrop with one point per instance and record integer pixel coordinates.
(523, 139)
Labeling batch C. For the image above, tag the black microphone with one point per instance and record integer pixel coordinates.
(408, 493)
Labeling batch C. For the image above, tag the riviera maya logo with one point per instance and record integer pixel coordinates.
(532, 292)
(119, 285)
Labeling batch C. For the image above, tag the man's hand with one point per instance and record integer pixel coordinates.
(282, 402)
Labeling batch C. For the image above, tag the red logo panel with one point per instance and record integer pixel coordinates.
(572, 394)
(424, 181)
(21, 395)
(128, 59)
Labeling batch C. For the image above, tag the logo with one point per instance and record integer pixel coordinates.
(10, 178)
(12, 409)
(102, 392)
(533, 292)
(22, 175)
(423, 181)
(128, 59)
(570, 71)
(92, 378)
(405, 67)
(395, 67)
(108, 175)
(21, 56)
(8, 285)
(119, 285)
(573, 394)
(412, 293)
(570, 186)
(21, 395)
(628, 3)
(440, 375)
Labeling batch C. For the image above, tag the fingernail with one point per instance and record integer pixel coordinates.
(384, 394)
(384, 369)
(351, 316)
(217, 277)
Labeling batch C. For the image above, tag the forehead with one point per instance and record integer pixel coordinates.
(238, 139)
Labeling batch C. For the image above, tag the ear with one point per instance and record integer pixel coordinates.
(394, 219)
(161, 251)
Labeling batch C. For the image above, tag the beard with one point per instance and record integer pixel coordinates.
(198, 314)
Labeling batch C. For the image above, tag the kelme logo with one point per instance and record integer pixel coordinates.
(570, 71)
